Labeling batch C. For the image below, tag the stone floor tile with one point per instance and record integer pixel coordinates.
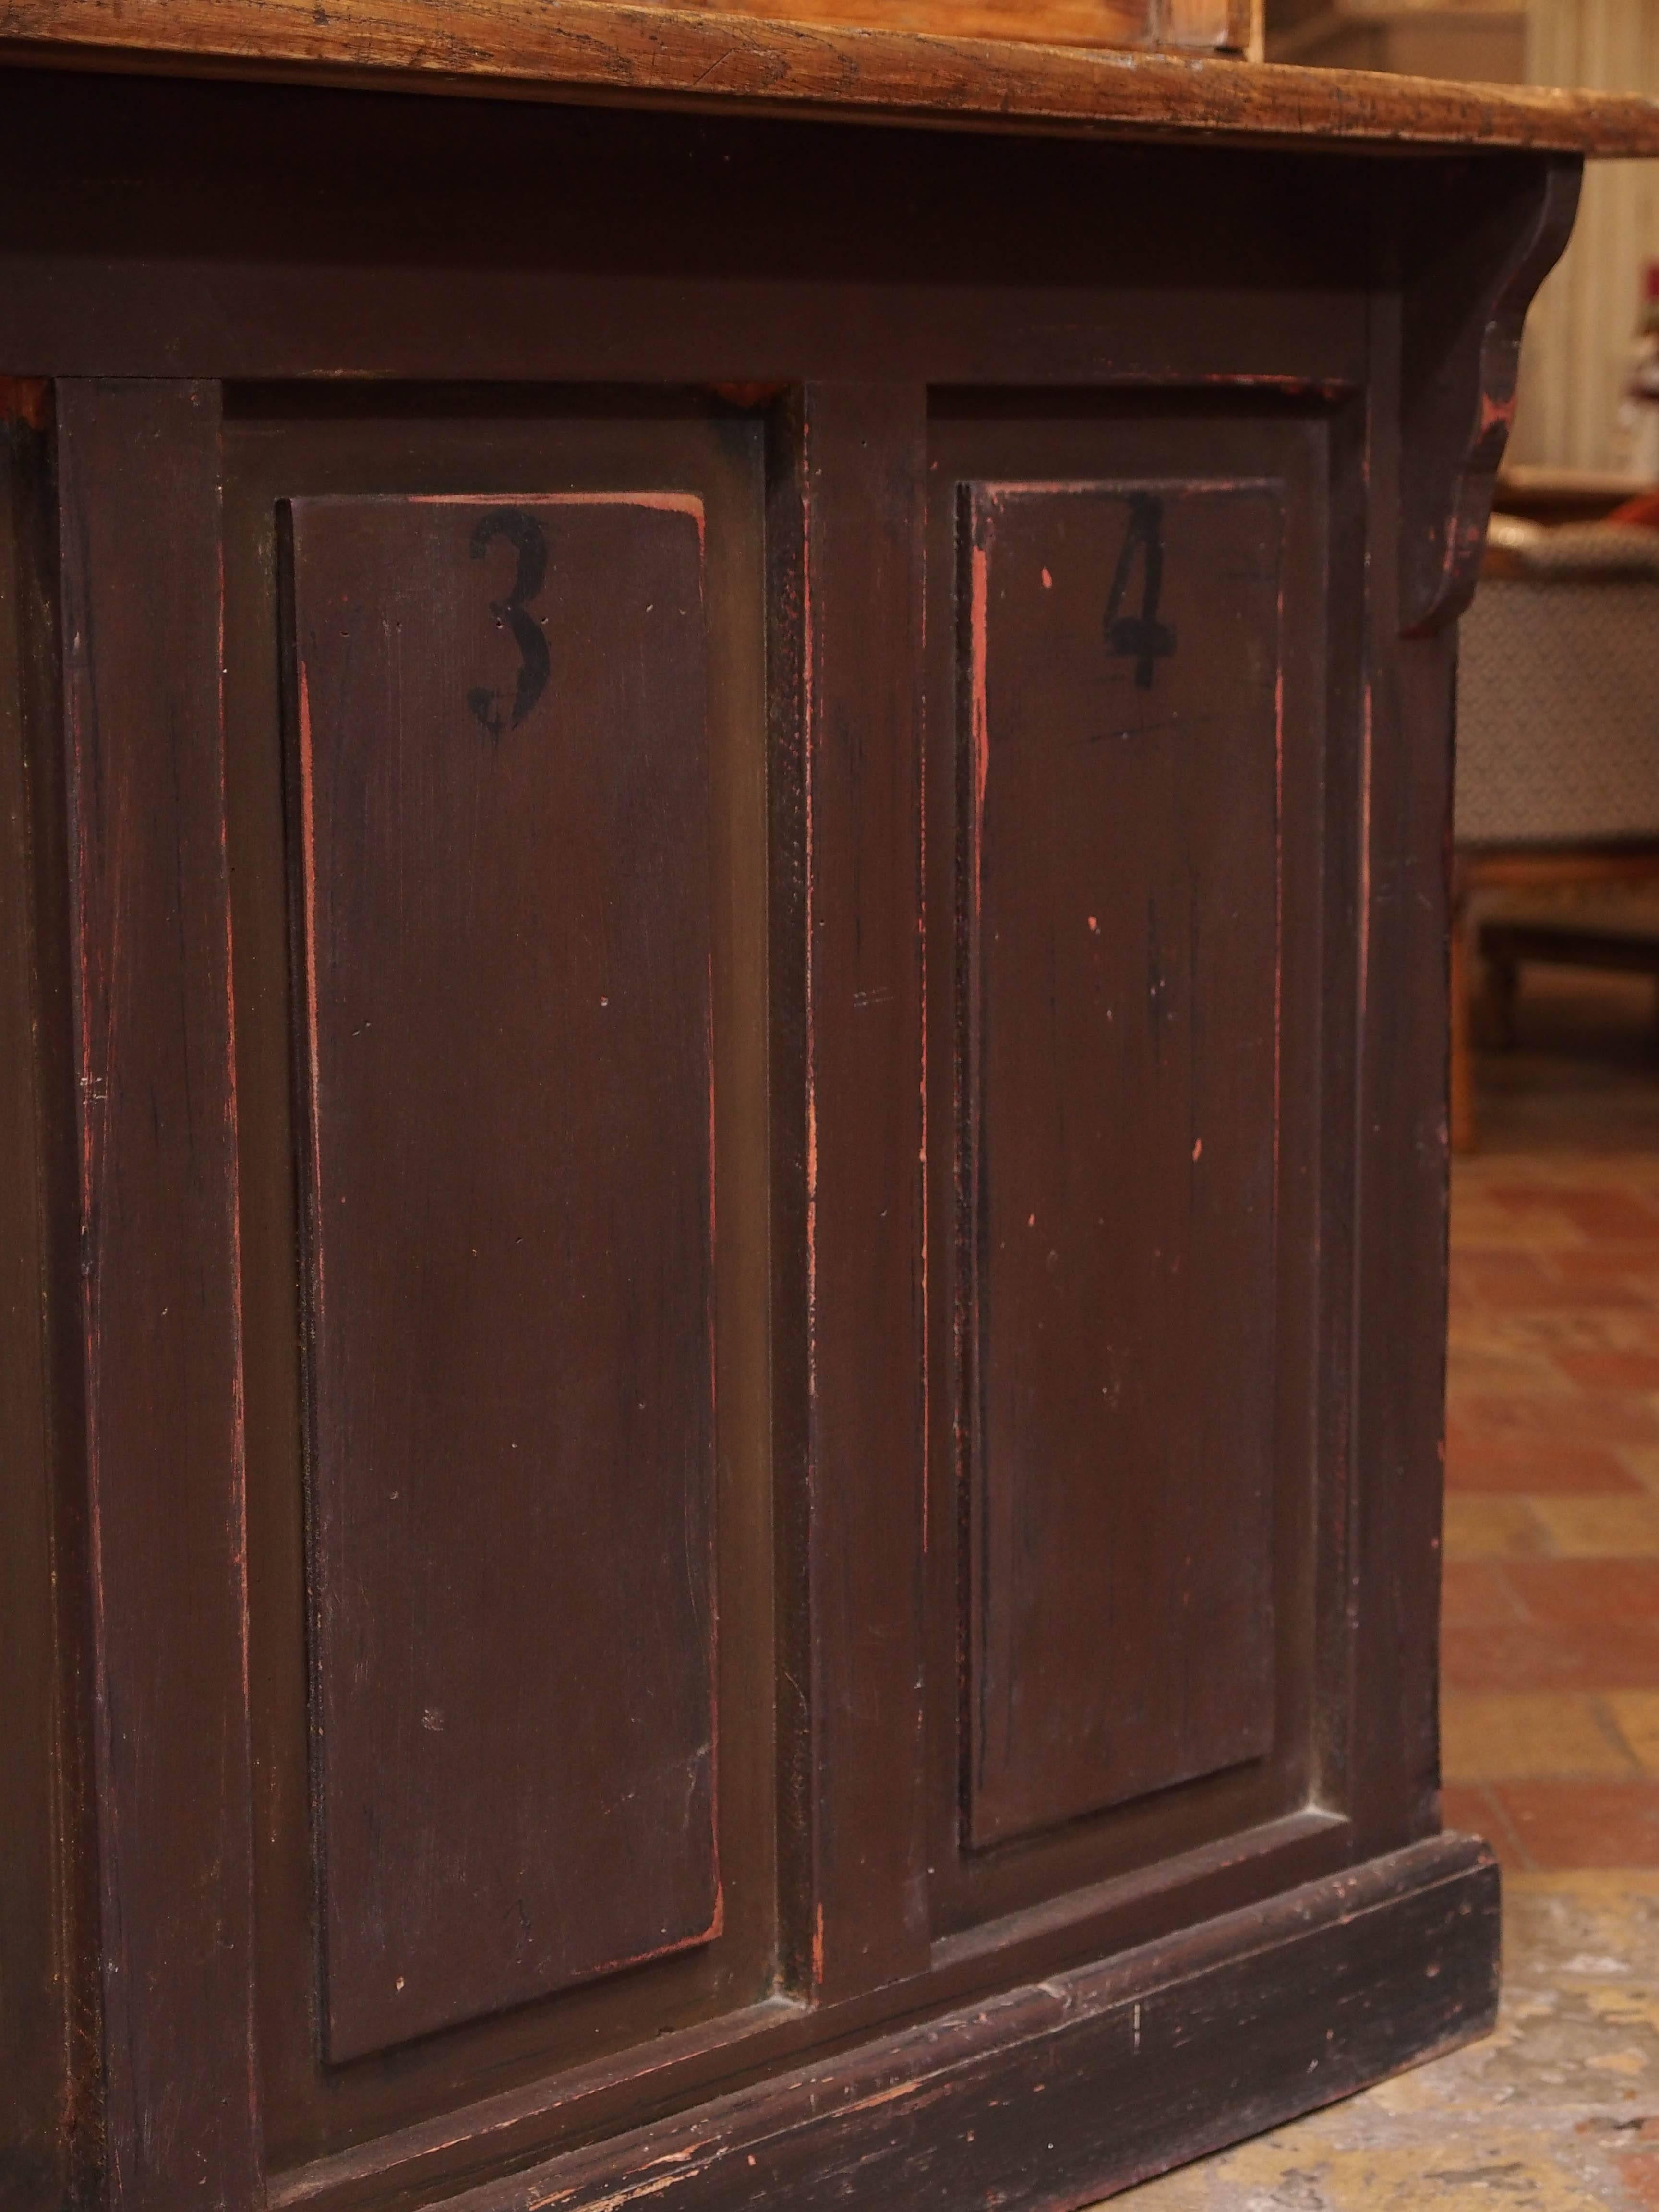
(1581, 1528)
(1610, 1370)
(1643, 1461)
(1541, 1290)
(1472, 1371)
(1576, 1592)
(1509, 1737)
(1606, 1416)
(1522, 1465)
(1476, 1594)
(1498, 1527)
(1571, 1824)
(1635, 1713)
(1615, 1214)
(1591, 1656)
(1543, 1334)
(1468, 1808)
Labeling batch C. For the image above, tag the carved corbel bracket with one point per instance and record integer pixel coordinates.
(1485, 242)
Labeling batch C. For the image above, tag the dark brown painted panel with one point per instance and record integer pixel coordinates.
(503, 895)
(847, 526)
(1119, 752)
(42, 1575)
(139, 533)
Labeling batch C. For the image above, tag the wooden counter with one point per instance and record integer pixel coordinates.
(723, 933)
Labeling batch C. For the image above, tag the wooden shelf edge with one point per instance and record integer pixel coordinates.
(596, 50)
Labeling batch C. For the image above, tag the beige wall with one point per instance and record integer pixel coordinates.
(1585, 315)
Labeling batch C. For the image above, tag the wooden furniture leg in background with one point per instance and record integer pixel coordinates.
(1554, 869)
(1462, 1112)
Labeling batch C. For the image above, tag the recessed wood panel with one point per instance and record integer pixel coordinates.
(1120, 769)
(500, 781)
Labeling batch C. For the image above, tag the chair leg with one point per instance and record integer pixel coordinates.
(1463, 1125)
(1504, 982)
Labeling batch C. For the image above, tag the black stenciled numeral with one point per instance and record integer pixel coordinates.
(525, 535)
(1142, 636)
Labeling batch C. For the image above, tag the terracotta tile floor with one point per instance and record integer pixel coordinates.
(1550, 1635)
(1550, 1705)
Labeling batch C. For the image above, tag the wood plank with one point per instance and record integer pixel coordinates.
(848, 518)
(1396, 1443)
(1120, 750)
(1132, 2064)
(629, 285)
(1044, 23)
(44, 1917)
(660, 55)
(139, 486)
(504, 885)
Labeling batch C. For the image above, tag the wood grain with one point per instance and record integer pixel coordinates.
(944, 306)
(851, 502)
(505, 958)
(156, 1122)
(1214, 27)
(648, 55)
(1121, 745)
(1132, 2063)
(42, 1560)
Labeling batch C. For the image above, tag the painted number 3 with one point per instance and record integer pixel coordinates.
(525, 535)
(1142, 638)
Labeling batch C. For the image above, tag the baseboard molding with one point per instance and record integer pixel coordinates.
(1055, 2094)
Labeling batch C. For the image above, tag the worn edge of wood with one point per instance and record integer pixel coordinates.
(50, 2116)
(179, 2077)
(644, 54)
(513, 2129)
(805, 2131)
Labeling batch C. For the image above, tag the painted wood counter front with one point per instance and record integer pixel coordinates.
(723, 941)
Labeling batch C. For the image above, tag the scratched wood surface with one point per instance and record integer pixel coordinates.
(155, 1120)
(850, 499)
(297, 294)
(1215, 26)
(1294, 2002)
(503, 877)
(606, 48)
(1120, 742)
(1134, 938)
(45, 1924)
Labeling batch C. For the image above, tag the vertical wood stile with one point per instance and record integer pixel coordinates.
(139, 475)
(856, 493)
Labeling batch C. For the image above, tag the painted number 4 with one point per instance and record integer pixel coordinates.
(1142, 638)
(524, 534)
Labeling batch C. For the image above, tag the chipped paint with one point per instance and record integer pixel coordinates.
(662, 503)
(1495, 415)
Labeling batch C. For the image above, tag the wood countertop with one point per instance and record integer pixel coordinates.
(594, 51)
